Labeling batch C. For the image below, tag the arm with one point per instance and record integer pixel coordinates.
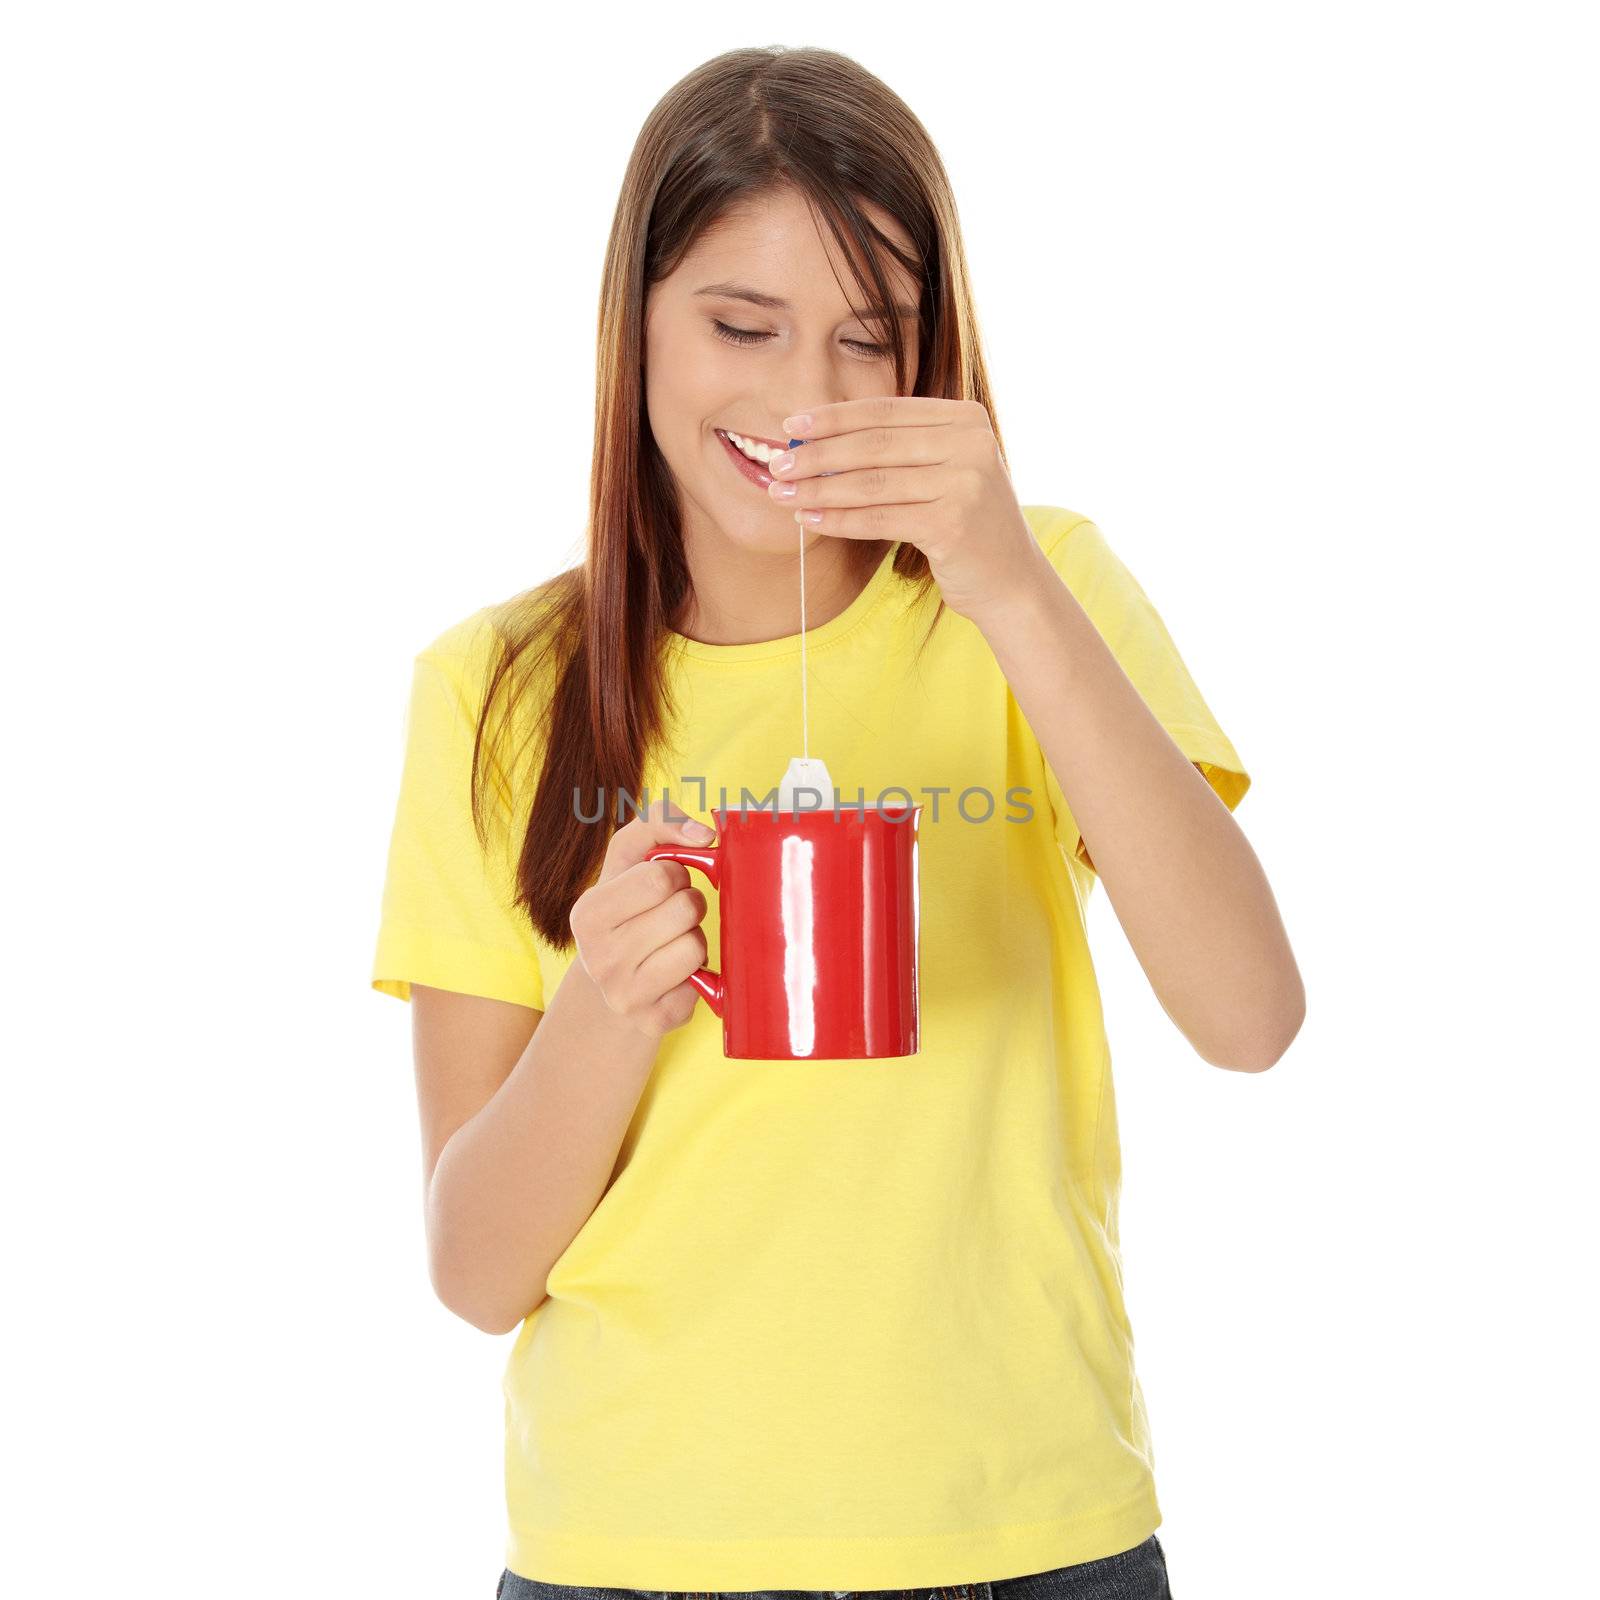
(1187, 887)
(524, 1111)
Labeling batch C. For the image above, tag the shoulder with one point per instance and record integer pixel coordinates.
(464, 649)
(1091, 567)
(499, 666)
(518, 631)
(1052, 525)
(1069, 538)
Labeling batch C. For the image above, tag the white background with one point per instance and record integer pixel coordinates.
(1298, 303)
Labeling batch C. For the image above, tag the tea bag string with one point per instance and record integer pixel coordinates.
(805, 704)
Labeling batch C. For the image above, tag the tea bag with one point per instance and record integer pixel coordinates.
(806, 786)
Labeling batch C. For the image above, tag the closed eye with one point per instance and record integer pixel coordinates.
(748, 336)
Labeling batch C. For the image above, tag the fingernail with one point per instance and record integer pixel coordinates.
(697, 831)
(801, 424)
(780, 463)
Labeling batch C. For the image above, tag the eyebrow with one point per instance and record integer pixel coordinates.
(771, 302)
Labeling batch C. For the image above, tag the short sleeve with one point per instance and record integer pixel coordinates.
(1132, 628)
(448, 919)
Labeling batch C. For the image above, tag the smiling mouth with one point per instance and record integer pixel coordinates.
(755, 438)
(751, 470)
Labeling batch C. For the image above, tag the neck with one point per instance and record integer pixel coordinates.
(745, 596)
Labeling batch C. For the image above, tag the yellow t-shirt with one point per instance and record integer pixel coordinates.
(835, 1324)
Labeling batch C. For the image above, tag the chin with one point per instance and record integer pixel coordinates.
(770, 532)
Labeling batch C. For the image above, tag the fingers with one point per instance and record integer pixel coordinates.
(870, 447)
(663, 822)
(643, 962)
(660, 823)
(674, 1009)
(664, 974)
(657, 926)
(638, 929)
(637, 889)
(872, 485)
(872, 411)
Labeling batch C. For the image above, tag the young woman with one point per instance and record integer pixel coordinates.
(811, 1325)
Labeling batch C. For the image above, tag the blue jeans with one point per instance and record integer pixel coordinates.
(1136, 1574)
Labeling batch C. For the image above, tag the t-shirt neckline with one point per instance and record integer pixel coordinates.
(835, 628)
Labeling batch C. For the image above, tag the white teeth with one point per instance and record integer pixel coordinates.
(757, 452)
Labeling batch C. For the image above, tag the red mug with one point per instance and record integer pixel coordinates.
(819, 917)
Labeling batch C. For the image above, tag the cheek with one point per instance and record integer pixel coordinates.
(681, 379)
(670, 408)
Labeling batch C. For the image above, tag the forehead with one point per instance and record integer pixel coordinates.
(771, 243)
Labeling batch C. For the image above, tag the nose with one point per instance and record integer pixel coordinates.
(809, 377)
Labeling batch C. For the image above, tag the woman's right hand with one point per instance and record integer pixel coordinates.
(637, 928)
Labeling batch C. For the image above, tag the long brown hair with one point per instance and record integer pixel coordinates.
(746, 122)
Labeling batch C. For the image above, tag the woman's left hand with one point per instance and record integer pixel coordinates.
(922, 470)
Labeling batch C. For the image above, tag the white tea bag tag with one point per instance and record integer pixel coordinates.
(806, 786)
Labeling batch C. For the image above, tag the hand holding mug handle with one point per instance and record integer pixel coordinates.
(706, 859)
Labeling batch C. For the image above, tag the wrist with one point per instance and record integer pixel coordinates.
(1023, 605)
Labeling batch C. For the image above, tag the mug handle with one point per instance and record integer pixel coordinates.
(707, 860)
